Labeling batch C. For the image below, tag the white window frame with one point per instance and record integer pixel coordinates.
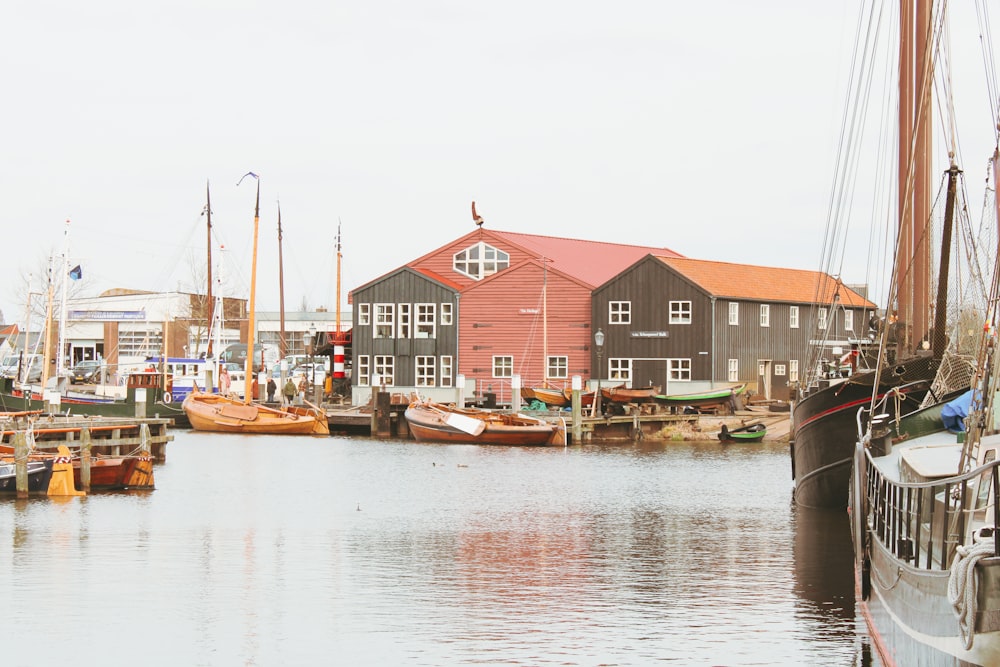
(848, 320)
(404, 314)
(680, 312)
(426, 320)
(447, 316)
(364, 370)
(734, 313)
(619, 312)
(793, 317)
(479, 261)
(679, 370)
(821, 318)
(385, 366)
(793, 370)
(364, 314)
(503, 366)
(447, 366)
(733, 370)
(765, 315)
(385, 320)
(425, 367)
(620, 369)
(779, 369)
(557, 367)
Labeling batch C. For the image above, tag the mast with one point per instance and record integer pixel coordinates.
(338, 275)
(209, 303)
(248, 368)
(282, 340)
(63, 306)
(47, 348)
(545, 323)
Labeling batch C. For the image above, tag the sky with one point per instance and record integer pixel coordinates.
(707, 128)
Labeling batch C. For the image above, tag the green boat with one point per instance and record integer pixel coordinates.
(754, 432)
(704, 400)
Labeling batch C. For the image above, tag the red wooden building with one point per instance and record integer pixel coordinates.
(522, 306)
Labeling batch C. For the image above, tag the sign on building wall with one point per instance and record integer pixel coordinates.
(106, 315)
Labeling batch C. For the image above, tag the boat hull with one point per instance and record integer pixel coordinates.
(39, 475)
(114, 474)
(825, 427)
(911, 621)
(427, 425)
(220, 414)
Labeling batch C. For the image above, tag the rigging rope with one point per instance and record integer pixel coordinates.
(962, 587)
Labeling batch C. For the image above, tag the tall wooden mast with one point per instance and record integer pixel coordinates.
(283, 341)
(248, 368)
(209, 302)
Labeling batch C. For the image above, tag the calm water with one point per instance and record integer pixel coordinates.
(283, 551)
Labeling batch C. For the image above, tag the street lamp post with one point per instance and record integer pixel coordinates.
(599, 343)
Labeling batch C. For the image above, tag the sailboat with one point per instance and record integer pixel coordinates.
(227, 414)
(923, 501)
(916, 358)
(925, 528)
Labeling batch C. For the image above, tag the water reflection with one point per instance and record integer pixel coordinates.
(365, 552)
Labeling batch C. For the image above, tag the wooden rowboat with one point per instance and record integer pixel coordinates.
(623, 394)
(754, 432)
(438, 422)
(703, 400)
(225, 414)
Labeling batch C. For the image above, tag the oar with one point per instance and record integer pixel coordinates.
(469, 425)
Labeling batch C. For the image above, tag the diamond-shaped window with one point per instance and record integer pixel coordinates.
(480, 260)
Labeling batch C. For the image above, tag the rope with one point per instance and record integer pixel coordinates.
(962, 587)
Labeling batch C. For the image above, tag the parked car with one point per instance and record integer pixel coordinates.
(85, 372)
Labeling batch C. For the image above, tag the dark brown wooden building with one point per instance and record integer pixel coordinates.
(687, 324)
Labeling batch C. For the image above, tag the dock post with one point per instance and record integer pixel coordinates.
(383, 412)
(85, 459)
(577, 410)
(144, 439)
(515, 392)
(21, 464)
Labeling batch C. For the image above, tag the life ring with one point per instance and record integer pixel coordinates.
(168, 397)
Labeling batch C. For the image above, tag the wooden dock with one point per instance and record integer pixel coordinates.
(109, 436)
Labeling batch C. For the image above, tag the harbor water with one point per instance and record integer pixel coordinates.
(352, 551)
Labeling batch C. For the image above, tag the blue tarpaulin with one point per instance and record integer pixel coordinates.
(954, 412)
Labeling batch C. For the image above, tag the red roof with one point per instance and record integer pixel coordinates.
(593, 262)
(764, 283)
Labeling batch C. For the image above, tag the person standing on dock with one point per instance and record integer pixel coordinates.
(288, 391)
(272, 387)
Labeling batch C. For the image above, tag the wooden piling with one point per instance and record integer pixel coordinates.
(383, 414)
(577, 412)
(21, 464)
(85, 459)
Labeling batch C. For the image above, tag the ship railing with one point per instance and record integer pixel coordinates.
(922, 523)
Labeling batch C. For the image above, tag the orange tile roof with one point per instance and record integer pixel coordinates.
(763, 283)
(593, 262)
(434, 275)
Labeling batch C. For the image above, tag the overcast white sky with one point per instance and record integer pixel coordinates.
(708, 128)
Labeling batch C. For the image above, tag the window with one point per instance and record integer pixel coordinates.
(620, 369)
(679, 369)
(384, 367)
(793, 317)
(139, 343)
(821, 319)
(557, 367)
(364, 371)
(733, 370)
(848, 320)
(765, 315)
(404, 320)
(680, 312)
(503, 367)
(446, 370)
(364, 314)
(446, 316)
(480, 260)
(619, 312)
(734, 312)
(793, 370)
(426, 318)
(384, 320)
(779, 369)
(426, 368)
